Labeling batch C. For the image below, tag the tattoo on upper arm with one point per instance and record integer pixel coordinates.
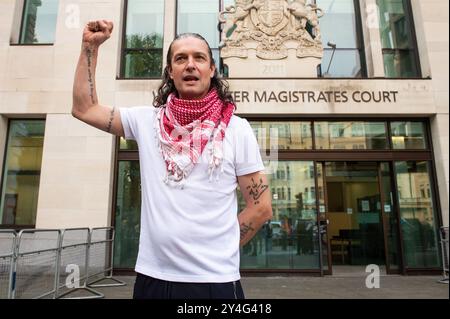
(111, 117)
(90, 80)
(245, 229)
(256, 190)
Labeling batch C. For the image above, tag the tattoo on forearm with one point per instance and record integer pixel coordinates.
(245, 229)
(256, 190)
(90, 80)
(111, 117)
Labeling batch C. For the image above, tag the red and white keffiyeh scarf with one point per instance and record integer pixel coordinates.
(185, 127)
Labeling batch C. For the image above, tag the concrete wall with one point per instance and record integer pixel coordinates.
(432, 23)
(78, 161)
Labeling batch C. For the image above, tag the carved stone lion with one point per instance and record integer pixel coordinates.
(236, 17)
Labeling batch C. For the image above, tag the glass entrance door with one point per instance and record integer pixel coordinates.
(354, 211)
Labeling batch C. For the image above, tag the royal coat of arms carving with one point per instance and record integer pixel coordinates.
(273, 26)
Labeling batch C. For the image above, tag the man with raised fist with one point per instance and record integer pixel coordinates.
(193, 154)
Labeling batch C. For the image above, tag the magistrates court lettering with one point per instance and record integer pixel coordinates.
(315, 96)
(332, 97)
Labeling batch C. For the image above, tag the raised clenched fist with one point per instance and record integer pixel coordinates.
(97, 32)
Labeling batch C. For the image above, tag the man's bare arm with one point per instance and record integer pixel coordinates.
(256, 192)
(85, 105)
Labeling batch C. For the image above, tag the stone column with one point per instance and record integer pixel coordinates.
(432, 22)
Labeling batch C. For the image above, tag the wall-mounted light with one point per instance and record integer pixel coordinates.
(333, 46)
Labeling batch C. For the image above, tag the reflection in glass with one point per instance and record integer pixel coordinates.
(400, 64)
(395, 29)
(391, 226)
(322, 214)
(354, 210)
(200, 16)
(408, 135)
(128, 145)
(144, 39)
(350, 135)
(142, 64)
(145, 18)
(290, 239)
(22, 172)
(400, 57)
(418, 216)
(346, 63)
(287, 135)
(338, 13)
(347, 58)
(127, 219)
(39, 21)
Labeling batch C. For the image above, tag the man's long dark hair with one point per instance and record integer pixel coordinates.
(168, 86)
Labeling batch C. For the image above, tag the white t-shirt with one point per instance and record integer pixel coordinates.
(190, 234)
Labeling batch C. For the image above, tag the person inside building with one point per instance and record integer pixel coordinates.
(193, 154)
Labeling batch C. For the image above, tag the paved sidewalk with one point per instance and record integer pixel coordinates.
(329, 287)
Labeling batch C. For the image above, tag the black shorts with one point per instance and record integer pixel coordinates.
(147, 287)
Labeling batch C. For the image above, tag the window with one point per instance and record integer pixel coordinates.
(359, 135)
(311, 172)
(287, 135)
(142, 49)
(341, 25)
(21, 173)
(201, 16)
(289, 239)
(418, 215)
(408, 135)
(422, 193)
(128, 145)
(127, 205)
(397, 39)
(38, 22)
(351, 135)
(127, 215)
(357, 130)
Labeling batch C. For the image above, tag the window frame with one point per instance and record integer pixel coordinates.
(360, 48)
(124, 50)
(2, 179)
(219, 64)
(387, 154)
(22, 25)
(426, 135)
(409, 15)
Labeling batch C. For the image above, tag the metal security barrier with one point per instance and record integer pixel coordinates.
(7, 244)
(74, 264)
(56, 263)
(36, 264)
(444, 249)
(101, 256)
